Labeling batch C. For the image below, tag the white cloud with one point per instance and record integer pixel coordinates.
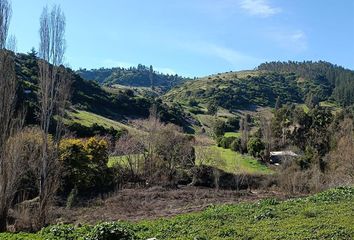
(109, 63)
(165, 70)
(259, 8)
(233, 57)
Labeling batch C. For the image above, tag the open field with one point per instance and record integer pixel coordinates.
(232, 162)
(327, 215)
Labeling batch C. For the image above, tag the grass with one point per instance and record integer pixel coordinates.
(234, 162)
(120, 159)
(332, 106)
(232, 134)
(88, 118)
(327, 215)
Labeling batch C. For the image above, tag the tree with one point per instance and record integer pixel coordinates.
(212, 108)
(219, 128)
(151, 77)
(54, 90)
(266, 129)
(167, 149)
(244, 129)
(341, 159)
(255, 146)
(277, 103)
(132, 151)
(5, 17)
(11, 121)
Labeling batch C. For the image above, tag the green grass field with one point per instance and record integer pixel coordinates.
(327, 215)
(232, 162)
(88, 118)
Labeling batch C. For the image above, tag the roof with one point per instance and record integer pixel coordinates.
(283, 153)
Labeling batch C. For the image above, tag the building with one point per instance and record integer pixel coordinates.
(281, 156)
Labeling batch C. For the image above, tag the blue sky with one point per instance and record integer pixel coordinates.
(195, 37)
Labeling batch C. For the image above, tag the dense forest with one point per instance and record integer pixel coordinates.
(140, 76)
(322, 79)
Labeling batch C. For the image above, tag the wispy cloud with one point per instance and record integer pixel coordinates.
(295, 41)
(109, 63)
(259, 8)
(229, 55)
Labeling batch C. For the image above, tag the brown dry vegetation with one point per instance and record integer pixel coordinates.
(152, 203)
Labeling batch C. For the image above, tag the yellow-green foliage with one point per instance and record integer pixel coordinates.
(97, 150)
(85, 162)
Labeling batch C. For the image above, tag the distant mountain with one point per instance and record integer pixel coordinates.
(140, 76)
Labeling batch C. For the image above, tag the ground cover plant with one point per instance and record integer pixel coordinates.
(326, 215)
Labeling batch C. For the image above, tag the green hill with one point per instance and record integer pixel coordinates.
(140, 76)
(321, 79)
(120, 104)
(291, 82)
(239, 90)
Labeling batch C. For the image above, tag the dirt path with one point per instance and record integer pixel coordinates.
(138, 204)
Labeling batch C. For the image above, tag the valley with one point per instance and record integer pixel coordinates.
(204, 142)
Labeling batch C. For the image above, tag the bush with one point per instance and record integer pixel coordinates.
(85, 164)
(193, 103)
(111, 231)
(60, 231)
(225, 142)
(236, 145)
(232, 124)
(219, 128)
(102, 231)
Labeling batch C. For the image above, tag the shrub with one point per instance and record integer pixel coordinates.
(212, 108)
(85, 164)
(219, 128)
(236, 145)
(225, 142)
(232, 124)
(60, 231)
(255, 146)
(193, 102)
(111, 231)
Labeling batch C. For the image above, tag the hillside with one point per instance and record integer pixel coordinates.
(321, 79)
(118, 104)
(293, 82)
(140, 76)
(239, 90)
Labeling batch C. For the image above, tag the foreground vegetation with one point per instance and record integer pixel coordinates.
(327, 215)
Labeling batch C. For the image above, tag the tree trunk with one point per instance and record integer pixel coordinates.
(3, 220)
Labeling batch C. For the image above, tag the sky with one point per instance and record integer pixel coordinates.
(194, 37)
